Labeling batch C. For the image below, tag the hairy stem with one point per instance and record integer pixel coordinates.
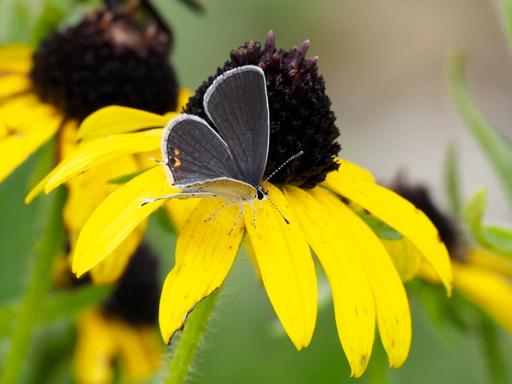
(46, 251)
(190, 341)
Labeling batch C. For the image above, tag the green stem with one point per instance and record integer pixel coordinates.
(452, 180)
(190, 340)
(494, 144)
(506, 9)
(494, 356)
(37, 288)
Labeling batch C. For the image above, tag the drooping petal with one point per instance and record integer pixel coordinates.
(487, 290)
(15, 58)
(23, 129)
(205, 250)
(491, 261)
(115, 120)
(285, 264)
(399, 214)
(100, 151)
(117, 216)
(393, 315)
(340, 257)
(13, 85)
(85, 193)
(139, 350)
(111, 268)
(406, 257)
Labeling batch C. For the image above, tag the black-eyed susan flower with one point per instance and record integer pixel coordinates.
(122, 332)
(107, 58)
(312, 192)
(483, 276)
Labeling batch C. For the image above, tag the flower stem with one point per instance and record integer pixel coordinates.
(37, 288)
(190, 340)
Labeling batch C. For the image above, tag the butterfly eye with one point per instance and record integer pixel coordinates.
(260, 193)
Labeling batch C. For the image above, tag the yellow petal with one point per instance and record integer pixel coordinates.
(491, 261)
(85, 193)
(487, 290)
(180, 210)
(399, 214)
(20, 113)
(183, 97)
(115, 120)
(100, 151)
(23, 137)
(95, 350)
(286, 266)
(15, 58)
(351, 170)
(112, 267)
(392, 307)
(140, 351)
(205, 251)
(406, 257)
(341, 258)
(117, 216)
(66, 131)
(13, 84)
(68, 138)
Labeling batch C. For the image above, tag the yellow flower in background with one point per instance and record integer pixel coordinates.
(122, 332)
(482, 276)
(107, 58)
(311, 191)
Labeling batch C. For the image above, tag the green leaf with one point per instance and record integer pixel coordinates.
(500, 238)
(126, 178)
(55, 307)
(380, 228)
(452, 179)
(495, 358)
(445, 314)
(14, 21)
(52, 13)
(67, 304)
(491, 237)
(474, 211)
(497, 148)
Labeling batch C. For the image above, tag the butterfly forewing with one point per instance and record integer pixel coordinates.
(194, 152)
(237, 105)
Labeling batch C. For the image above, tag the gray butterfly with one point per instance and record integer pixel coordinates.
(228, 162)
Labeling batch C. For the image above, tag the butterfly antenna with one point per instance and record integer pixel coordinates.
(157, 161)
(279, 211)
(298, 154)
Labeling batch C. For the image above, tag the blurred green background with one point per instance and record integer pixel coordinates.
(384, 67)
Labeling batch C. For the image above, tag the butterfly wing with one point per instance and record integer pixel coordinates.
(237, 104)
(195, 153)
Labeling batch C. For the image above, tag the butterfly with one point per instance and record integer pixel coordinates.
(227, 162)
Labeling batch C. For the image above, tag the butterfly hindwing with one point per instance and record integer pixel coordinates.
(194, 152)
(237, 104)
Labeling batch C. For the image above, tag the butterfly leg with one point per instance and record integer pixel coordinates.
(251, 203)
(219, 210)
(238, 219)
(182, 195)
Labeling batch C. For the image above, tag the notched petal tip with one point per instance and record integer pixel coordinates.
(357, 368)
